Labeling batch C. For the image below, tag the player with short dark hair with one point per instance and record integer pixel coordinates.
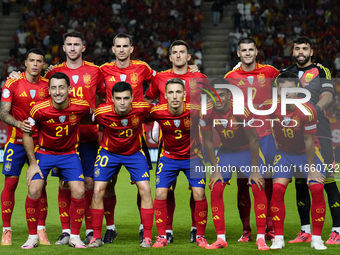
(17, 98)
(316, 79)
(179, 55)
(239, 151)
(298, 154)
(57, 121)
(122, 120)
(181, 151)
(258, 77)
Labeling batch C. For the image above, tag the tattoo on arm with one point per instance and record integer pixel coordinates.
(5, 108)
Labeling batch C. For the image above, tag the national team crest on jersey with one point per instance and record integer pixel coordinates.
(177, 123)
(42, 94)
(87, 80)
(297, 119)
(261, 79)
(32, 93)
(96, 172)
(135, 121)
(73, 118)
(193, 85)
(309, 77)
(286, 120)
(75, 78)
(124, 122)
(8, 166)
(62, 118)
(134, 79)
(55, 170)
(232, 121)
(187, 123)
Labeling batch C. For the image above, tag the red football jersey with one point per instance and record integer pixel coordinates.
(86, 82)
(180, 134)
(22, 94)
(135, 74)
(122, 134)
(291, 138)
(232, 135)
(260, 80)
(58, 129)
(192, 83)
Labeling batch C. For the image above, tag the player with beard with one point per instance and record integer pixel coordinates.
(317, 79)
(17, 98)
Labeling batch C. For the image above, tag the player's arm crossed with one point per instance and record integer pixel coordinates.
(313, 174)
(254, 152)
(5, 108)
(210, 150)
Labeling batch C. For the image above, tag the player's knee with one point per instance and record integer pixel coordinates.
(144, 189)
(89, 185)
(198, 193)
(34, 192)
(161, 194)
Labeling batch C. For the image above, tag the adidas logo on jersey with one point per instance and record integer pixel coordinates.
(114, 124)
(276, 218)
(336, 204)
(112, 79)
(23, 94)
(240, 83)
(51, 121)
(320, 219)
(167, 123)
(201, 181)
(262, 216)
(145, 175)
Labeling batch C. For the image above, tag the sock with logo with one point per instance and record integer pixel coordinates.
(201, 214)
(302, 200)
(217, 208)
(278, 208)
(243, 202)
(88, 216)
(97, 222)
(260, 208)
(77, 211)
(109, 208)
(318, 209)
(171, 204)
(32, 214)
(333, 201)
(43, 208)
(161, 215)
(8, 200)
(147, 219)
(64, 202)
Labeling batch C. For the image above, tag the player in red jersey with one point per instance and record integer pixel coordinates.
(122, 120)
(258, 77)
(17, 97)
(297, 153)
(181, 151)
(239, 152)
(57, 121)
(135, 72)
(86, 82)
(179, 56)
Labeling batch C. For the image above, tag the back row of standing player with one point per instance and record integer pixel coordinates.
(86, 80)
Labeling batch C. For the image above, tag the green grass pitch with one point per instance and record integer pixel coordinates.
(127, 222)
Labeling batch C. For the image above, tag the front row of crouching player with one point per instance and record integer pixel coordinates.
(57, 119)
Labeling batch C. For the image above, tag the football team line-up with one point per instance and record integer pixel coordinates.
(53, 124)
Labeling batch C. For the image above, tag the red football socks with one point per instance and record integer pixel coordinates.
(201, 214)
(171, 204)
(217, 208)
(160, 216)
(77, 211)
(97, 222)
(147, 221)
(32, 214)
(318, 208)
(278, 208)
(64, 202)
(243, 202)
(43, 208)
(109, 209)
(8, 200)
(260, 208)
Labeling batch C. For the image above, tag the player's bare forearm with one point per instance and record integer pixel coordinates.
(28, 143)
(5, 108)
(325, 100)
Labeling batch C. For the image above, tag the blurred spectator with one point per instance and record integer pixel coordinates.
(5, 7)
(216, 9)
(237, 18)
